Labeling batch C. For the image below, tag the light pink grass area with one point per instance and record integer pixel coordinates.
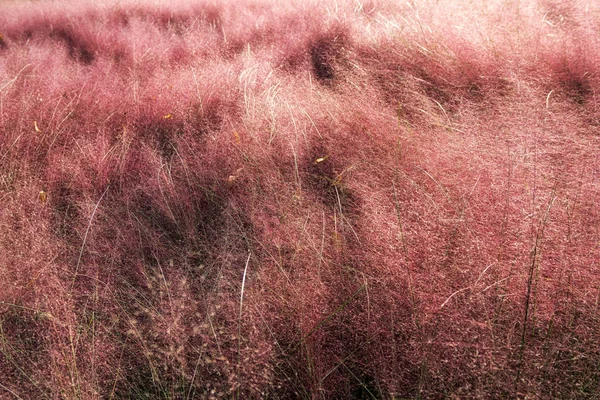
(300, 200)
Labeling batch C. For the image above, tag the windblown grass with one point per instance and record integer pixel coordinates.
(336, 199)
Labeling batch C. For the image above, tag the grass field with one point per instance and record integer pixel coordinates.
(334, 199)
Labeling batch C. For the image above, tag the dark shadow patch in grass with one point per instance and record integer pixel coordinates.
(24, 330)
(158, 219)
(138, 381)
(577, 87)
(324, 179)
(441, 92)
(79, 48)
(190, 245)
(3, 43)
(322, 56)
(63, 201)
(160, 132)
(23, 349)
(212, 112)
(327, 52)
(574, 72)
(365, 388)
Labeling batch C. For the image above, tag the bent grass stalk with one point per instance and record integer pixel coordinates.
(240, 326)
(535, 260)
(87, 230)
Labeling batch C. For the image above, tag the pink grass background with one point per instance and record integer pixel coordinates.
(415, 186)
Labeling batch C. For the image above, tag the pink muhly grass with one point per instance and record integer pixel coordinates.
(332, 200)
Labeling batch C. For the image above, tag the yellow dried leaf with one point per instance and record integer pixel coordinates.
(235, 176)
(167, 116)
(321, 159)
(337, 241)
(35, 125)
(43, 196)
